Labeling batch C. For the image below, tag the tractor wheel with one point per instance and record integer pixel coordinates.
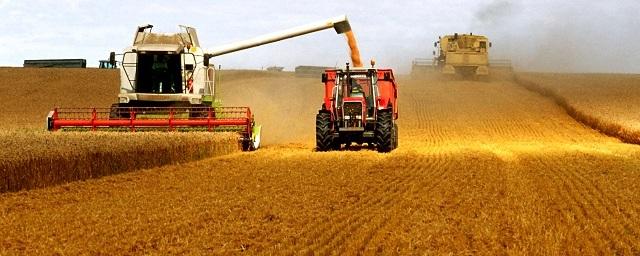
(324, 135)
(384, 131)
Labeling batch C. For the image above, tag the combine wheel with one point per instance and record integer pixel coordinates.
(324, 135)
(384, 133)
(116, 113)
(252, 143)
(199, 111)
(247, 145)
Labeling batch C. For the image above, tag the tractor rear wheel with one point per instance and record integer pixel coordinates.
(324, 135)
(384, 131)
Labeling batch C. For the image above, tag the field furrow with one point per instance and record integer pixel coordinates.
(431, 172)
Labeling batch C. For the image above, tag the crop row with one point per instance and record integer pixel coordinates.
(40, 159)
(605, 103)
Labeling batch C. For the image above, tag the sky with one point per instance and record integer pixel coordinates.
(544, 35)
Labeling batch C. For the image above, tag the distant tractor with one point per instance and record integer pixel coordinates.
(109, 64)
(360, 106)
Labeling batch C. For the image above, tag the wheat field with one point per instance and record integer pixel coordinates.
(32, 159)
(605, 102)
(482, 168)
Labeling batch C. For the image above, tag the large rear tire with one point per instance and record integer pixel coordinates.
(384, 132)
(324, 134)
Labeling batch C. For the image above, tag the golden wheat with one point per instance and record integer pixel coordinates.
(40, 159)
(607, 103)
(482, 168)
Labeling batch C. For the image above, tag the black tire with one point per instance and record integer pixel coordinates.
(113, 111)
(395, 136)
(247, 145)
(117, 113)
(199, 112)
(324, 134)
(384, 131)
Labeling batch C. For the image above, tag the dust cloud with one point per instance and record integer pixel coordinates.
(563, 36)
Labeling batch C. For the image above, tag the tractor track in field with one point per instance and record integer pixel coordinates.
(590, 208)
(343, 223)
(592, 200)
(421, 184)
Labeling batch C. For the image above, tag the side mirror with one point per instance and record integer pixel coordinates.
(435, 44)
(112, 59)
(324, 78)
(490, 44)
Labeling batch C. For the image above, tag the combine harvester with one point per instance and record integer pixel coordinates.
(360, 106)
(467, 55)
(168, 83)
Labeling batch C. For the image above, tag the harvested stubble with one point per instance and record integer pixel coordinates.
(482, 168)
(605, 102)
(40, 159)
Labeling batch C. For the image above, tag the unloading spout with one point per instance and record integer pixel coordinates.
(340, 24)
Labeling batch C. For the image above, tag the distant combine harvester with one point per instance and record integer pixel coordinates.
(56, 63)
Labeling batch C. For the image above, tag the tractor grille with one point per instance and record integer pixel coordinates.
(352, 114)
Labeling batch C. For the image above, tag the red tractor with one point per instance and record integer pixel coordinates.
(360, 106)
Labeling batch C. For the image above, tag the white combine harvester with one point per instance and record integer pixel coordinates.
(168, 83)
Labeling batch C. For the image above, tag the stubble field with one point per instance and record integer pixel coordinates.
(482, 167)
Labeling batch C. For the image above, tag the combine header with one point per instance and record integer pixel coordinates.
(168, 83)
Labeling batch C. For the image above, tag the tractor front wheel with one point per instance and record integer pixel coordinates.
(384, 133)
(324, 135)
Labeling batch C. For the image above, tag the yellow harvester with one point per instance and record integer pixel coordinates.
(463, 54)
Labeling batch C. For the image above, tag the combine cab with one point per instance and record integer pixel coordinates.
(167, 83)
(360, 106)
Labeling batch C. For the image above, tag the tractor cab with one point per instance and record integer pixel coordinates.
(354, 93)
(361, 86)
